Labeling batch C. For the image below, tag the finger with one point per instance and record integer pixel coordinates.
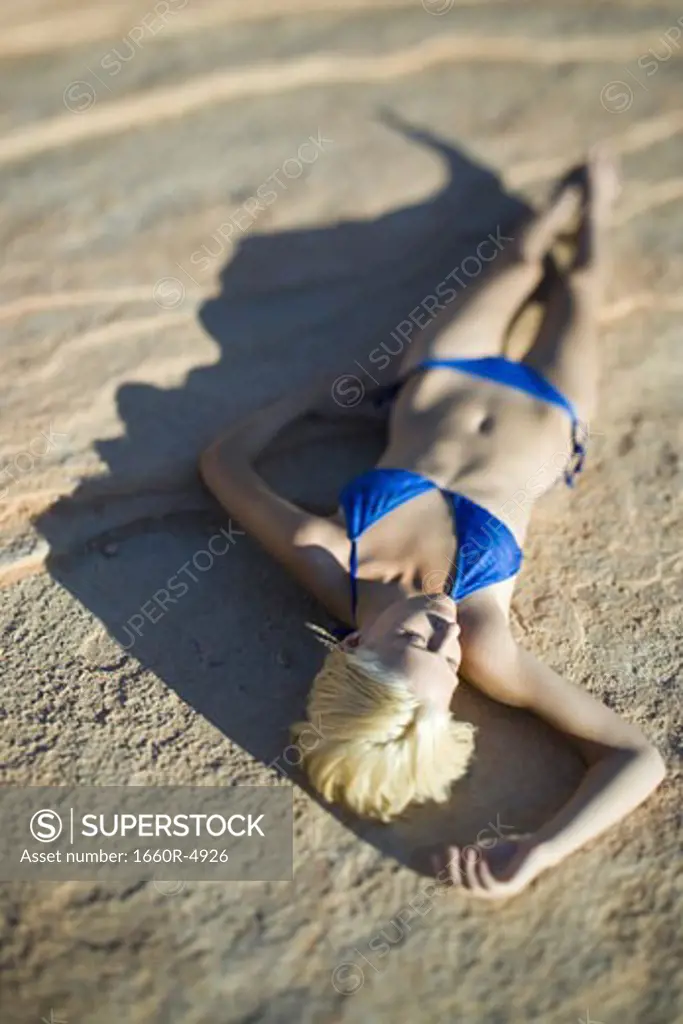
(487, 879)
(479, 889)
(488, 887)
(471, 869)
(453, 866)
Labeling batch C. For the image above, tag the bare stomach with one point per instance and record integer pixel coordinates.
(496, 445)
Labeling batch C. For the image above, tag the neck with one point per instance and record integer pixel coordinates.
(375, 596)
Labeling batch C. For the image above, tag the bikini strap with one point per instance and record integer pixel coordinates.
(523, 377)
(353, 577)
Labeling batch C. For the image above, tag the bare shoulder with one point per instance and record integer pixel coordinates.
(322, 564)
(321, 539)
(496, 664)
(314, 549)
(490, 655)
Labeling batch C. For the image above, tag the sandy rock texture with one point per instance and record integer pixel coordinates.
(203, 204)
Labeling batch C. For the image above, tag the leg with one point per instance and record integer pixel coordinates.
(477, 323)
(565, 348)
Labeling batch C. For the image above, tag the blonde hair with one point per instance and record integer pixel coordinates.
(378, 748)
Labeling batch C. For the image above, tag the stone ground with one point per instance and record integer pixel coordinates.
(132, 330)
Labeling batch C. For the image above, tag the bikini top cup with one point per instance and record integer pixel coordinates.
(487, 551)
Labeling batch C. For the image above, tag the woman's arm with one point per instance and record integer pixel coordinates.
(251, 435)
(313, 549)
(623, 767)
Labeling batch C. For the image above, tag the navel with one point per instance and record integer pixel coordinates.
(486, 424)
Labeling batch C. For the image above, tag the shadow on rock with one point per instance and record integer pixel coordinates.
(185, 593)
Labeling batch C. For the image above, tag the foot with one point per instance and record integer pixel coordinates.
(486, 315)
(520, 266)
(559, 217)
(599, 185)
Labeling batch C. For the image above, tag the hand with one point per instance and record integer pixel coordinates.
(502, 871)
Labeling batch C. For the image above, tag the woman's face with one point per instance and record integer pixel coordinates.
(418, 637)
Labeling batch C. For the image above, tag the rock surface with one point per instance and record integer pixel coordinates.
(144, 301)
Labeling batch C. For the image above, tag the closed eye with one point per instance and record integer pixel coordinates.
(416, 640)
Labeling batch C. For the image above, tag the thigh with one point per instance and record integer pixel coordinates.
(565, 349)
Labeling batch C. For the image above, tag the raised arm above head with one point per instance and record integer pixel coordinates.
(308, 546)
(623, 767)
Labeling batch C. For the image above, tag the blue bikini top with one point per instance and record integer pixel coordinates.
(487, 551)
